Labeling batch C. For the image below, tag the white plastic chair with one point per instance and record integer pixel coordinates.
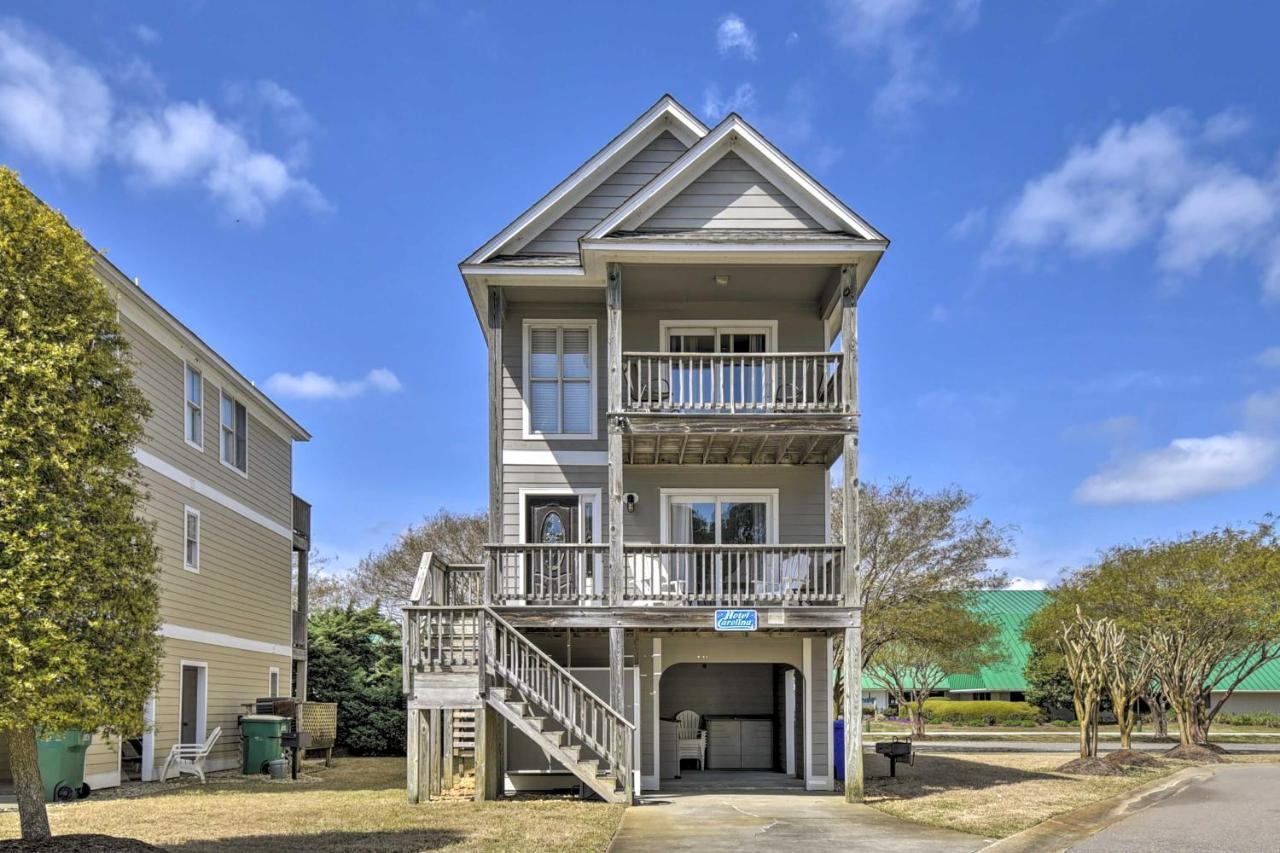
(691, 738)
(190, 757)
(791, 577)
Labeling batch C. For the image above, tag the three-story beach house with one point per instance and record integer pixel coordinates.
(672, 358)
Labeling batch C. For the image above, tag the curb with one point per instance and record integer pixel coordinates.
(1061, 832)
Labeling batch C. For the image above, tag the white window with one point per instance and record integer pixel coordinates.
(194, 408)
(273, 681)
(559, 370)
(191, 546)
(235, 434)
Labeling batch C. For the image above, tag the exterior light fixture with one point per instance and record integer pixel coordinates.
(722, 281)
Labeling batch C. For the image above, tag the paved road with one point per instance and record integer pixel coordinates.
(1238, 809)
(950, 745)
(774, 822)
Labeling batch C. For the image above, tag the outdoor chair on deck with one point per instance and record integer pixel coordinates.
(190, 757)
(691, 738)
(788, 579)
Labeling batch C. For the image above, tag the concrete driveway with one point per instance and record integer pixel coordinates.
(1237, 809)
(775, 821)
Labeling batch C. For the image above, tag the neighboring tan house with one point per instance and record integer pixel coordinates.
(1009, 610)
(217, 463)
(672, 374)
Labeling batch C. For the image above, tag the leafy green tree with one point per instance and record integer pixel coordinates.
(1048, 685)
(78, 590)
(952, 641)
(919, 550)
(354, 660)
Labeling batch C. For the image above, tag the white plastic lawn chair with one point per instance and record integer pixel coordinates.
(787, 579)
(691, 738)
(190, 757)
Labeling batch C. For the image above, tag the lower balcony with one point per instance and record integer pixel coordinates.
(577, 575)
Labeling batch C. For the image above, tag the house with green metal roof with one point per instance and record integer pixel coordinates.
(1009, 610)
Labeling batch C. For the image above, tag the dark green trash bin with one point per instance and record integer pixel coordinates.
(260, 741)
(61, 759)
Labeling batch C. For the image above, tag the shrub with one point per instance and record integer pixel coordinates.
(1256, 718)
(1062, 724)
(964, 713)
(354, 660)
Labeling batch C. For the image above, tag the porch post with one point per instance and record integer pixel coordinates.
(491, 766)
(613, 302)
(497, 313)
(852, 664)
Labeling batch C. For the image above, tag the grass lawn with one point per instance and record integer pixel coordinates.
(358, 804)
(996, 794)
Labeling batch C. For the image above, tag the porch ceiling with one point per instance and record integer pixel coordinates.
(729, 449)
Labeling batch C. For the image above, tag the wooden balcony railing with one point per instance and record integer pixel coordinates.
(733, 383)
(548, 574)
(733, 575)
(668, 575)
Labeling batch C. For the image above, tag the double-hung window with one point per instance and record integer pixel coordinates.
(194, 408)
(235, 434)
(559, 361)
(191, 536)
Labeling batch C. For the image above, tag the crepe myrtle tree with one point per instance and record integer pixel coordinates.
(919, 550)
(78, 591)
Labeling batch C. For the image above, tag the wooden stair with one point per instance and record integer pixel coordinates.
(464, 733)
(547, 735)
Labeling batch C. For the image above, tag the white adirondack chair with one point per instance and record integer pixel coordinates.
(691, 738)
(190, 757)
(787, 578)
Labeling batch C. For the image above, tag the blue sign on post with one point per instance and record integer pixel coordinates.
(736, 620)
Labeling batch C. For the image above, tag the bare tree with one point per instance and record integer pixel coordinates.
(387, 576)
(1129, 674)
(1085, 651)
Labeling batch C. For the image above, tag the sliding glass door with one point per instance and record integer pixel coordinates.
(717, 519)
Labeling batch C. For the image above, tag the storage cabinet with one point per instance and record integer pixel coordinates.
(735, 743)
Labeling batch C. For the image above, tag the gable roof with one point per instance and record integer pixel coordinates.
(734, 135)
(666, 115)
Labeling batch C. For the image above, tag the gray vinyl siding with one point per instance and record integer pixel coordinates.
(562, 235)
(799, 326)
(801, 496)
(513, 373)
(730, 194)
(243, 586)
(819, 690)
(725, 689)
(161, 376)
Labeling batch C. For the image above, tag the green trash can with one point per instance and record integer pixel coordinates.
(61, 759)
(260, 736)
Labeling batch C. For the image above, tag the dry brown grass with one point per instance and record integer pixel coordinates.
(359, 804)
(992, 794)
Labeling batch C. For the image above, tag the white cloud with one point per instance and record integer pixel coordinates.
(715, 107)
(1269, 357)
(61, 110)
(52, 106)
(1185, 468)
(145, 34)
(1157, 182)
(1027, 583)
(315, 386)
(793, 38)
(733, 36)
(900, 34)
(1227, 125)
(971, 223)
(1262, 411)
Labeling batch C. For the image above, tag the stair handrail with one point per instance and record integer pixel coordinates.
(620, 730)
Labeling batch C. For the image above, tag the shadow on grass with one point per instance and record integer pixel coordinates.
(932, 774)
(396, 841)
(346, 774)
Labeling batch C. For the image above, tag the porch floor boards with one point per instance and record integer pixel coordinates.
(730, 449)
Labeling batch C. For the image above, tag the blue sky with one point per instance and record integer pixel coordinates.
(1078, 319)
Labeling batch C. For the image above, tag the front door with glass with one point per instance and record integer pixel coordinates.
(551, 574)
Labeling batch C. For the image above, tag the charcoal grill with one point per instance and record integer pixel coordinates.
(896, 750)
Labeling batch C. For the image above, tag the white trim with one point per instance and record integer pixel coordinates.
(789, 722)
(186, 512)
(734, 134)
(235, 401)
(666, 114)
(189, 367)
(806, 658)
(656, 783)
(202, 696)
(213, 638)
(719, 327)
(592, 382)
(99, 781)
(148, 769)
(520, 270)
(273, 670)
(558, 458)
(831, 716)
(182, 478)
(718, 495)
